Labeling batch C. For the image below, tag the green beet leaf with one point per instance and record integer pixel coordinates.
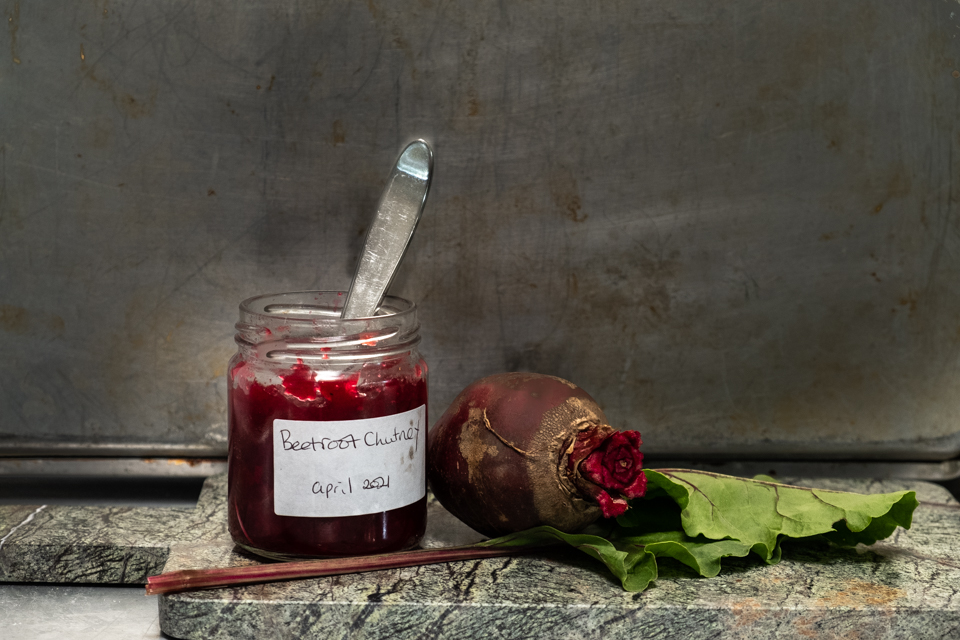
(758, 512)
(697, 518)
(700, 554)
(635, 567)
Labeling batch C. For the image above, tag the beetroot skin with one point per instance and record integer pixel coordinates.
(518, 450)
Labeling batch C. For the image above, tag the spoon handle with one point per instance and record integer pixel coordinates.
(397, 215)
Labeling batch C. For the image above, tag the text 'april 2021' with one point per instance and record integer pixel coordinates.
(346, 488)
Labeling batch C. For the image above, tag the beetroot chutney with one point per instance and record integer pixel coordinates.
(327, 428)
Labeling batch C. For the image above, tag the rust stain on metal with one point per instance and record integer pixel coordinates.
(898, 184)
(910, 300)
(566, 194)
(339, 134)
(469, 61)
(13, 319)
(572, 284)
(473, 103)
(13, 22)
(20, 321)
(131, 106)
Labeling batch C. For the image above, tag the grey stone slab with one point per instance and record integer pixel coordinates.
(101, 544)
(904, 587)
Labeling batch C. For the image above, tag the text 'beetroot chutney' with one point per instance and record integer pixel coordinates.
(328, 428)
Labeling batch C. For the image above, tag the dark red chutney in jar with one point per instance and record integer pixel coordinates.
(391, 385)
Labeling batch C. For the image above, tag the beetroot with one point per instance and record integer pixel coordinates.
(518, 450)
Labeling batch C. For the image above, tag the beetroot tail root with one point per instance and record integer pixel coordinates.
(189, 579)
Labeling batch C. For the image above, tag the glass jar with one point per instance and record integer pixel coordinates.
(327, 428)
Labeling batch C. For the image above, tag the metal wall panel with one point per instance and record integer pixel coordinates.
(735, 224)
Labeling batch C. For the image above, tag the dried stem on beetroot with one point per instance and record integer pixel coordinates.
(174, 581)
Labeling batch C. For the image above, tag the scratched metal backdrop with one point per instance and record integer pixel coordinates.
(734, 223)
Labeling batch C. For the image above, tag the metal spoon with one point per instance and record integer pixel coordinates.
(397, 215)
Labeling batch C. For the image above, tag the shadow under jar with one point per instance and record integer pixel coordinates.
(327, 428)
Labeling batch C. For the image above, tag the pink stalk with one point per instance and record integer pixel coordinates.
(174, 581)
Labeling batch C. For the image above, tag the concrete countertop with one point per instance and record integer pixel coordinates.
(77, 612)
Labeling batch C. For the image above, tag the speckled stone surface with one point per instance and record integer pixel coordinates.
(905, 587)
(100, 544)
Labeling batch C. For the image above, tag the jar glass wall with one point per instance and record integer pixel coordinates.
(327, 428)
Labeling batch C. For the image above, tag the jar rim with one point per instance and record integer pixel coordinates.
(316, 307)
(306, 325)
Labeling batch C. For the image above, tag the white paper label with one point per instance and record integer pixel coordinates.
(336, 468)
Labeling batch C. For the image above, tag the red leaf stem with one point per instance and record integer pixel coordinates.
(174, 581)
